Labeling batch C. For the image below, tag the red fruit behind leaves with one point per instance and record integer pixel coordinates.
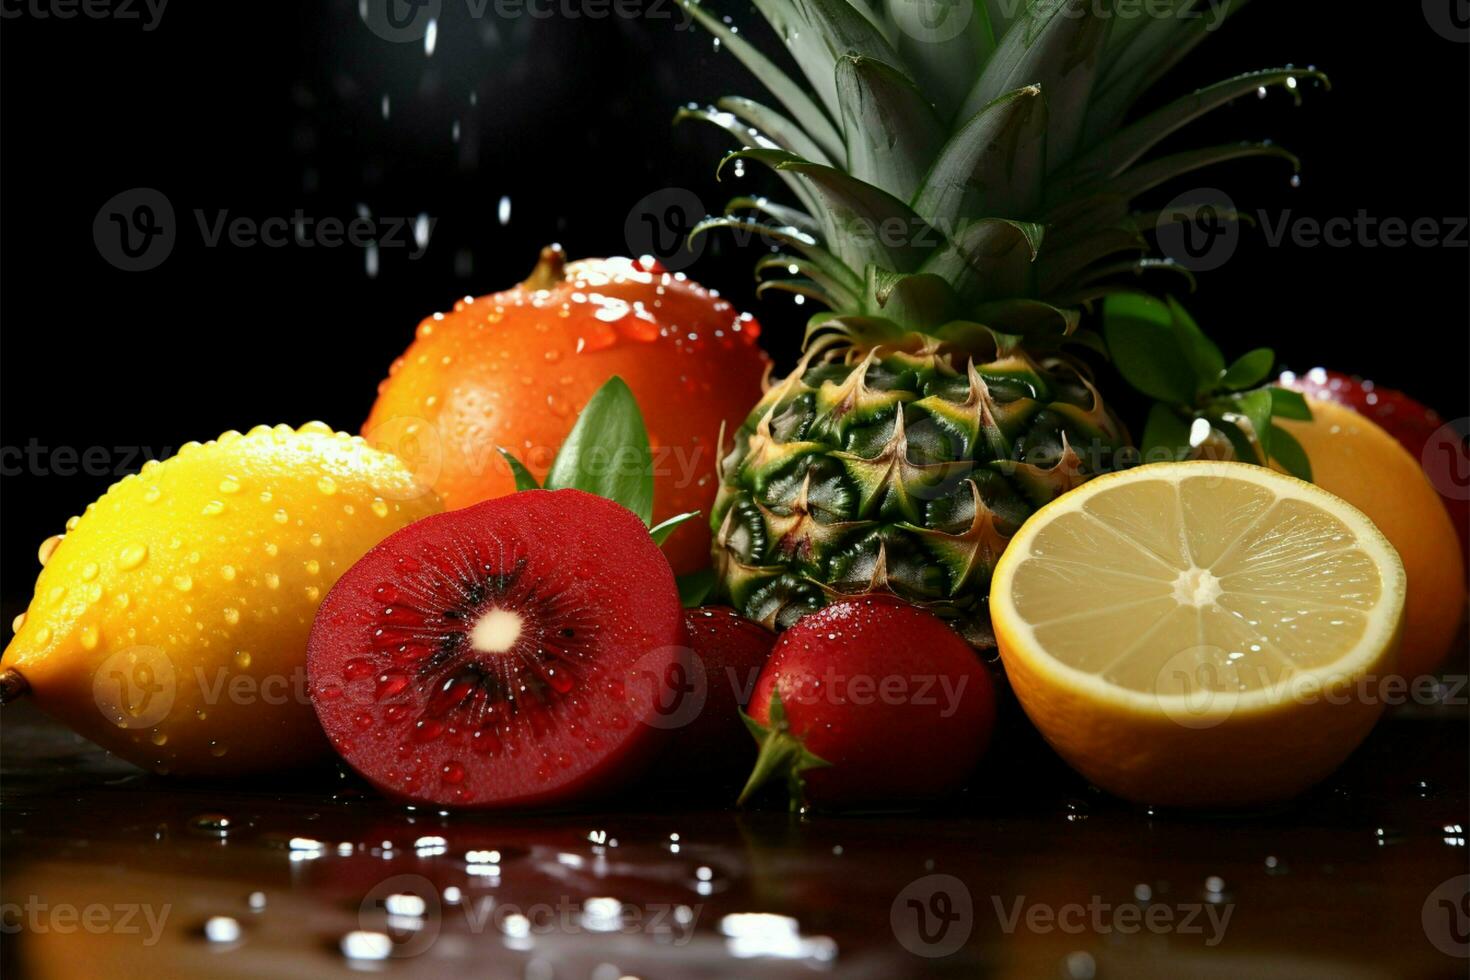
(712, 749)
(871, 701)
(1441, 451)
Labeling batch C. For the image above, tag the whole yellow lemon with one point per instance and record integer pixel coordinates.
(169, 622)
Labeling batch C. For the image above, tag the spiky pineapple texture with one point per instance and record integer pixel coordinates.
(965, 188)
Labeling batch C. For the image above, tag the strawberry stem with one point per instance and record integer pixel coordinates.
(781, 754)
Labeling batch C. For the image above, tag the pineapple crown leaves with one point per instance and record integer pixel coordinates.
(996, 160)
(1159, 350)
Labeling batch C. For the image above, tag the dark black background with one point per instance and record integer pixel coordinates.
(263, 108)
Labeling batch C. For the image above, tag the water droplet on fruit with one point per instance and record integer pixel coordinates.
(158, 738)
(452, 773)
(272, 580)
(229, 485)
(151, 495)
(90, 637)
(329, 692)
(380, 507)
(426, 730)
(386, 593)
(232, 615)
(213, 508)
(242, 659)
(217, 749)
(390, 684)
(227, 572)
(356, 669)
(362, 719)
(327, 485)
(43, 553)
(132, 556)
(313, 567)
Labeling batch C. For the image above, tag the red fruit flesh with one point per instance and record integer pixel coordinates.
(509, 653)
(729, 652)
(1417, 428)
(895, 704)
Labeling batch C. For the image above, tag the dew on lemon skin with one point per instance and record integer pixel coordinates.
(242, 659)
(17, 623)
(90, 637)
(280, 516)
(214, 508)
(380, 507)
(327, 485)
(315, 540)
(89, 571)
(232, 615)
(229, 485)
(313, 593)
(43, 636)
(132, 556)
(227, 572)
(183, 582)
(151, 495)
(48, 547)
(313, 567)
(272, 580)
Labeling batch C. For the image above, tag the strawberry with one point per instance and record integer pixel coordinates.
(711, 748)
(870, 700)
(1417, 428)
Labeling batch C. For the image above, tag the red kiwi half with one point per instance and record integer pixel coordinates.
(510, 653)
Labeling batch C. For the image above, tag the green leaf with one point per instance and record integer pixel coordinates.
(1208, 362)
(1249, 370)
(1165, 435)
(1140, 334)
(1245, 450)
(663, 529)
(607, 452)
(1290, 454)
(1256, 406)
(807, 113)
(695, 587)
(1288, 404)
(890, 130)
(524, 479)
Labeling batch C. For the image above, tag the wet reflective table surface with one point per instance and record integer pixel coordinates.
(109, 872)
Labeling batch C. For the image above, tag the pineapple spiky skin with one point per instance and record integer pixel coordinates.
(939, 401)
(903, 471)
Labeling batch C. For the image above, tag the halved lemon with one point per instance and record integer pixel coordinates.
(1199, 634)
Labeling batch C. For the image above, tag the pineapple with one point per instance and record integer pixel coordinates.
(963, 191)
